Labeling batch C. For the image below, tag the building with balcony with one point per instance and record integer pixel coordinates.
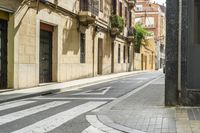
(152, 17)
(122, 35)
(47, 41)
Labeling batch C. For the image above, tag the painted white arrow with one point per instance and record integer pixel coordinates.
(100, 91)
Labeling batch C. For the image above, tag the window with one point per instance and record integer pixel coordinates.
(114, 6)
(82, 48)
(149, 22)
(130, 19)
(124, 54)
(139, 7)
(126, 15)
(138, 20)
(119, 52)
(101, 5)
(120, 9)
(128, 54)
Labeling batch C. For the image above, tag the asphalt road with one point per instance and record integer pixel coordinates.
(66, 112)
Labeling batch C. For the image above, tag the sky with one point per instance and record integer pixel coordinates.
(160, 1)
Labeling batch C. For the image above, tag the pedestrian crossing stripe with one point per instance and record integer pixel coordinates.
(30, 111)
(57, 120)
(73, 98)
(14, 104)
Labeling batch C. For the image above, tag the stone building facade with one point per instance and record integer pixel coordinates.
(152, 17)
(146, 59)
(57, 40)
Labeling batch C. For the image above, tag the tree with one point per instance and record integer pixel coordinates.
(139, 37)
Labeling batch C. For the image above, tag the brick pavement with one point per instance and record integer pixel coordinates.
(145, 111)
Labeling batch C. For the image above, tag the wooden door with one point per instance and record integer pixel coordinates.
(3, 54)
(100, 56)
(45, 56)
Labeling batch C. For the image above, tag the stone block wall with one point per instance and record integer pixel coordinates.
(24, 45)
(171, 77)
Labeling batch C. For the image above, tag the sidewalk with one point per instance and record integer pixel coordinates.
(143, 110)
(60, 87)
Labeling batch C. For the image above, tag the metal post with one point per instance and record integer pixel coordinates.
(179, 45)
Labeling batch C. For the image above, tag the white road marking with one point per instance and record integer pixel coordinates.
(23, 113)
(15, 104)
(92, 129)
(57, 120)
(139, 82)
(92, 119)
(103, 91)
(74, 98)
(141, 78)
(126, 82)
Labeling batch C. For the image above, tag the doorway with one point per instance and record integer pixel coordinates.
(142, 62)
(145, 58)
(3, 54)
(100, 56)
(45, 58)
(113, 57)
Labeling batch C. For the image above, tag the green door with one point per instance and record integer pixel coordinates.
(3, 54)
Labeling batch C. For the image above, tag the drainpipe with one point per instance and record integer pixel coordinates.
(179, 45)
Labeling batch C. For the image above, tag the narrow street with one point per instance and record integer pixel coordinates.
(99, 66)
(68, 112)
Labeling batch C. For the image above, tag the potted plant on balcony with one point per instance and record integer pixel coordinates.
(117, 24)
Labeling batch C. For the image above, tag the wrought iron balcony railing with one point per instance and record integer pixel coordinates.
(131, 31)
(90, 5)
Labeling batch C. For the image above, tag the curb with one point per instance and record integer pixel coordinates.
(107, 121)
(59, 90)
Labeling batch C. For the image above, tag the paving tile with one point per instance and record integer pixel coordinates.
(165, 130)
(191, 114)
(157, 130)
(148, 113)
(196, 113)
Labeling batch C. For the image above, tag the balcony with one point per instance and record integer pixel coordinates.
(89, 11)
(117, 25)
(130, 35)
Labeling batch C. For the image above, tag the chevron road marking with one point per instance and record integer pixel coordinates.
(103, 91)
